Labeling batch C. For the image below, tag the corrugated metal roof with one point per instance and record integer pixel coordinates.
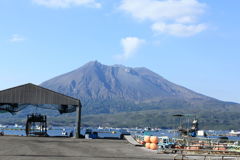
(33, 94)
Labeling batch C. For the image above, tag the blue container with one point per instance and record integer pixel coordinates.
(94, 135)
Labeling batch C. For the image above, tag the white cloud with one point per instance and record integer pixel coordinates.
(16, 38)
(168, 14)
(177, 29)
(67, 3)
(130, 46)
(186, 19)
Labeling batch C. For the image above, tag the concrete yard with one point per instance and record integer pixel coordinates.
(51, 148)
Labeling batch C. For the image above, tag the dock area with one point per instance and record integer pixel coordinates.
(53, 148)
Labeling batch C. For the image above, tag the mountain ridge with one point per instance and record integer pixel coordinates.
(117, 88)
(119, 96)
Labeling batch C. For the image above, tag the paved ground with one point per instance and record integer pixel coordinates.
(41, 148)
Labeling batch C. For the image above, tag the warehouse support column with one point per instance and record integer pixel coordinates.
(78, 120)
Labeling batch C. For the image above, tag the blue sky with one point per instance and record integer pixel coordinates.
(194, 43)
